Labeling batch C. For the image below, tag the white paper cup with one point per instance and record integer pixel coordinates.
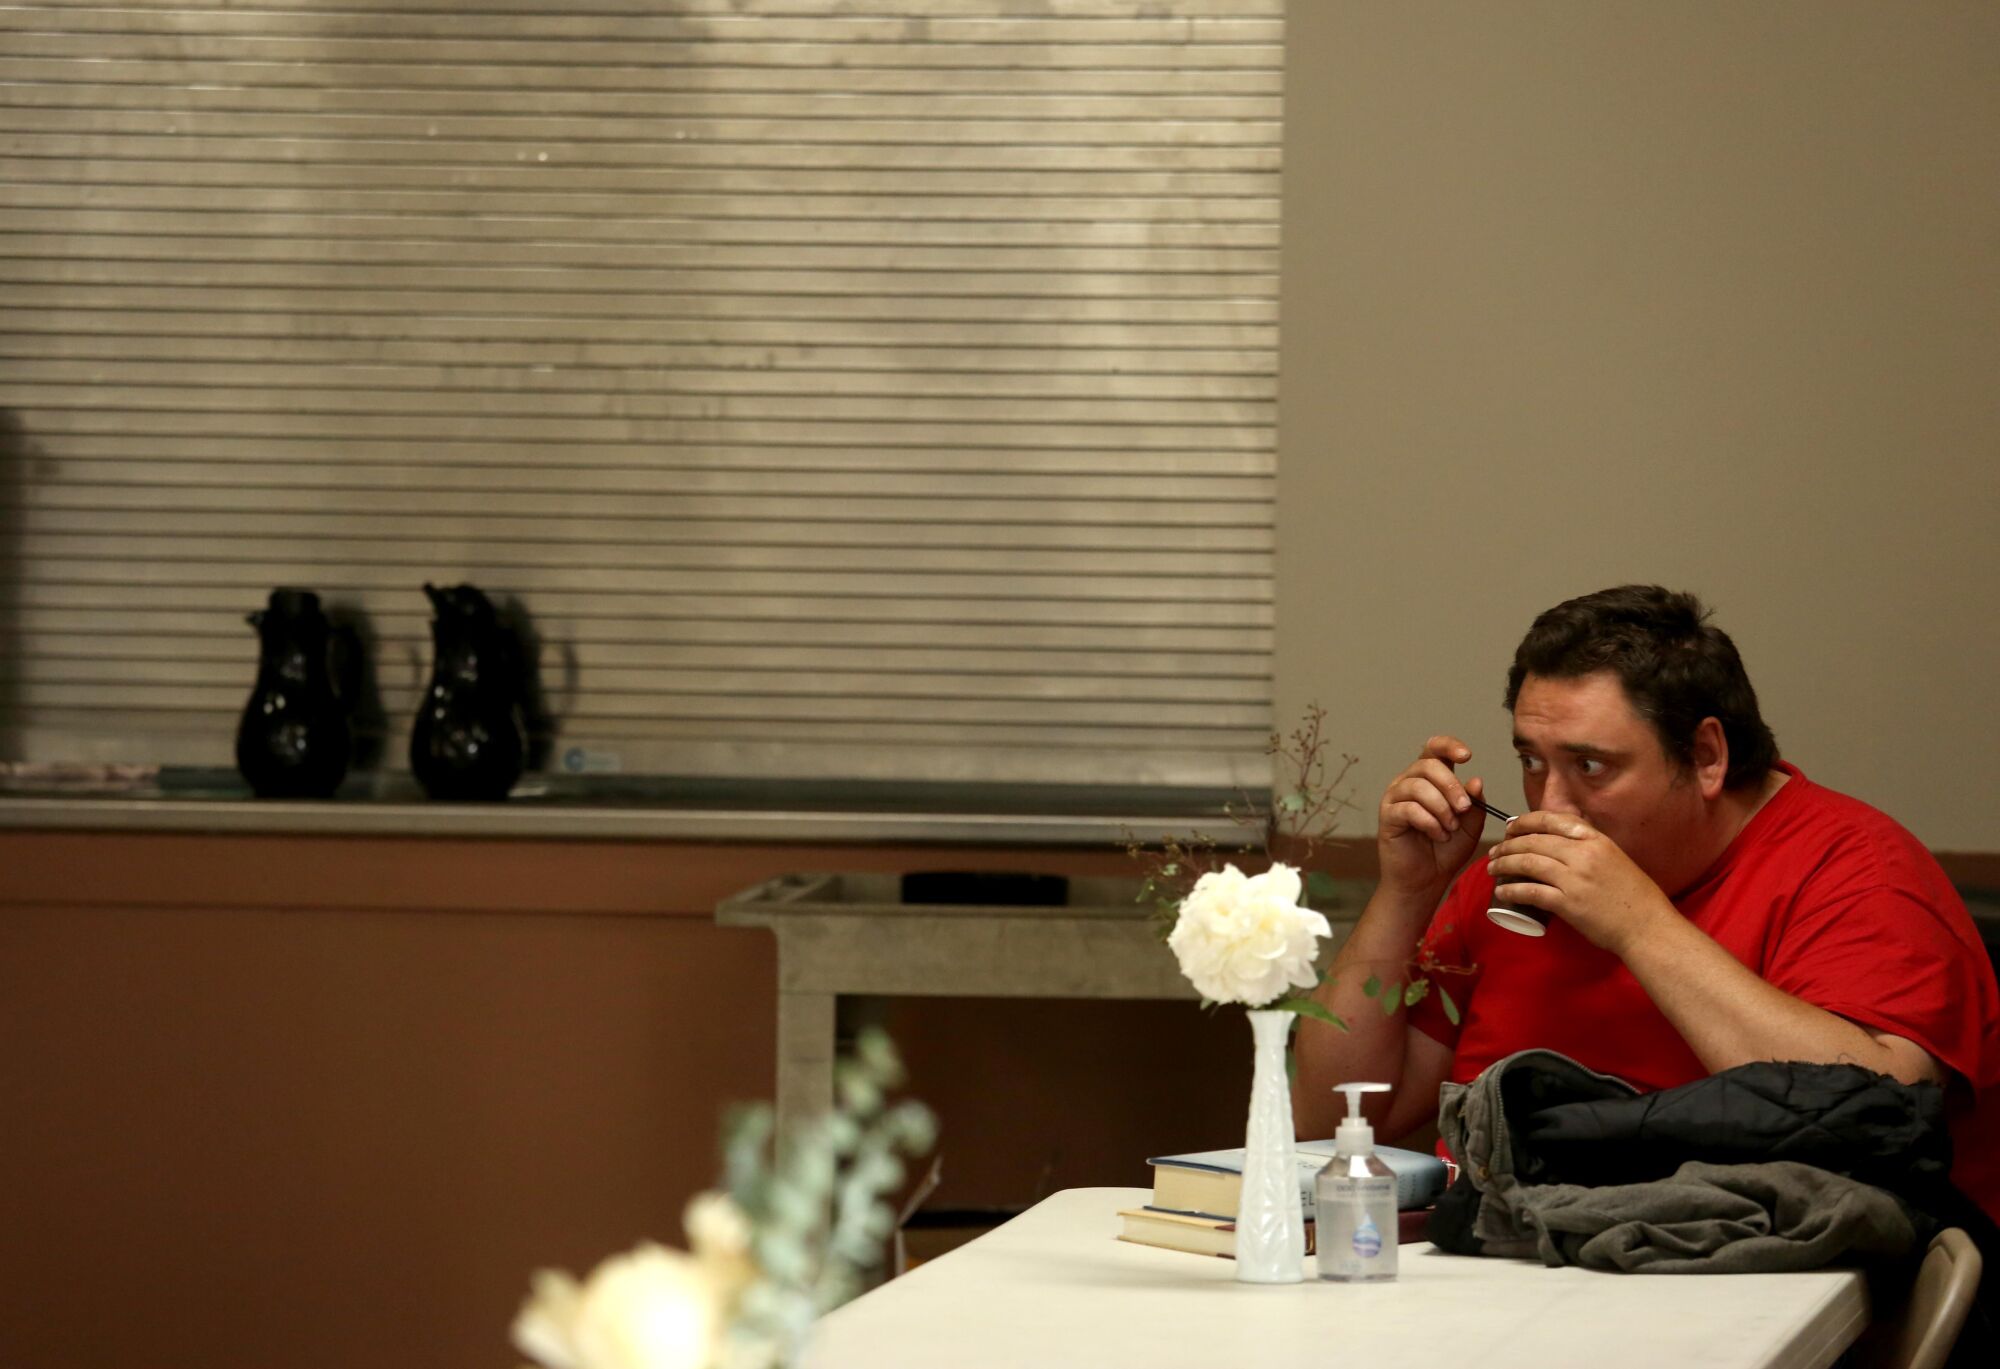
(1515, 918)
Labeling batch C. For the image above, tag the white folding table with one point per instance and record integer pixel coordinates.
(1055, 1287)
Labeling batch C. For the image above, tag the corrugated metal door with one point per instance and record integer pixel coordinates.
(845, 389)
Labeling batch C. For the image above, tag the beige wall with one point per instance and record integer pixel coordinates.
(1579, 293)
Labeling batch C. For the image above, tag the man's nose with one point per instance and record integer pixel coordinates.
(1557, 797)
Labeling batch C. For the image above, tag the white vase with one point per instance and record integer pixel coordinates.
(1270, 1222)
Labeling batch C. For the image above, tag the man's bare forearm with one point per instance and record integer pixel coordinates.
(1729, 1016)
(1381, 944)
(1427, 828)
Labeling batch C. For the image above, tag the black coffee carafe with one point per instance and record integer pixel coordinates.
(470, 741)
(293, 741)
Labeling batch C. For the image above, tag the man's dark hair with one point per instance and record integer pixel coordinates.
(1676, 669)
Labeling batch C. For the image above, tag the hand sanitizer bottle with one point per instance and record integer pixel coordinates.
(1356, 1197)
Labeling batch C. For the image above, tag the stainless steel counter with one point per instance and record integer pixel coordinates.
(632, 808)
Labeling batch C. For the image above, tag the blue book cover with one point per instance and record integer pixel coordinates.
(1420, 1177)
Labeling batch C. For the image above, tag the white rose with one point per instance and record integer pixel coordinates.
(1246, 939)
(652, 1308)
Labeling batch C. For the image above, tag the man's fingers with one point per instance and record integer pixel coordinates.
(1440, 778)
(1433, 785)
(1446, 747)
(1428, 797)
(1557, 850)
(1423, 809)
(1544, 896)
(1414, 816)
(1527, 866)
(1543, 822)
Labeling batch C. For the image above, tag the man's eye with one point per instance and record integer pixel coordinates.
(1590, 767)
(1531, 764)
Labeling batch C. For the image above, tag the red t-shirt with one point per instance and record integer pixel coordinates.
(1820, 895)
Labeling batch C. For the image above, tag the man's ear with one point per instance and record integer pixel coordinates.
(1711, 757)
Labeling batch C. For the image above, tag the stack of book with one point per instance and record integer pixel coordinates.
(1195, 1197)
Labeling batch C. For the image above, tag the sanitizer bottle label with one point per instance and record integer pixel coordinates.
(1357, 1228)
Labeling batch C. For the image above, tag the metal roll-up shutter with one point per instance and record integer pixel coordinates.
(880, 390)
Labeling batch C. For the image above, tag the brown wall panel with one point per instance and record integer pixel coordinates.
(300, 1101)
(313, 1137)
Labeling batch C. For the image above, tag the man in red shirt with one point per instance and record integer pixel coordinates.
(1708, 904)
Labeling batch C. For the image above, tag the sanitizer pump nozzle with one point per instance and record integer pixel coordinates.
(1355, 1199)
(1355, 1136)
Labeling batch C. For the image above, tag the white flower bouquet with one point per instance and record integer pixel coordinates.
(1251, 939)
(1248, 939)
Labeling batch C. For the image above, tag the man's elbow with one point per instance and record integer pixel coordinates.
(1904, 1060)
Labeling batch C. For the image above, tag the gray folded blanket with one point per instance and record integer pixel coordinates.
(1713, 1219)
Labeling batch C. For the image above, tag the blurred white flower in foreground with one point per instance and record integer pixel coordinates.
(1245, 939)
(716, 1227)
(798, 1229)
(651, 1308)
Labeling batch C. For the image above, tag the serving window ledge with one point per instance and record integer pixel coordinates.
(146, 798)
(845, 938)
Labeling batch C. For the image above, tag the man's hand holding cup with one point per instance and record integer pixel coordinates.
(1558, 865)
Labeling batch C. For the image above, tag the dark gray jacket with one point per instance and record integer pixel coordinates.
(1764, 1167)
(1768, 1166)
